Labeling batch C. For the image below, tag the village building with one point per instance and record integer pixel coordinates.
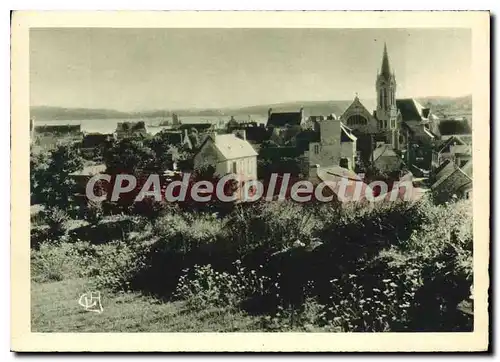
(131, 129)
(227, 154)
(335, 145)
(452, 181)
(409, 128)
(284, 119)
(177, 138)
(454, 149)
(343, 184)
(93, 144)
(385, 159)
(57, 129)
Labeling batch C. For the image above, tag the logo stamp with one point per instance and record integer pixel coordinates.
(91, 301)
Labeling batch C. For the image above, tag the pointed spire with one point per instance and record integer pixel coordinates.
(386, 69)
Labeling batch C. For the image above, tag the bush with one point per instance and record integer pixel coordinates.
(55, 219)
(266, 228)
(204, 287)
(55, 263)
(116, 264)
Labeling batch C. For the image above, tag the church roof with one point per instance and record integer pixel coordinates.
(283, 118)
(412, 110)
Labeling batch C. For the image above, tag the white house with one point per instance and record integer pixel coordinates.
(228, 153)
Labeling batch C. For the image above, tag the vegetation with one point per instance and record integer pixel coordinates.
(391, 268)
(268, 266)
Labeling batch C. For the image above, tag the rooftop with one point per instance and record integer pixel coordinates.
(232, 147)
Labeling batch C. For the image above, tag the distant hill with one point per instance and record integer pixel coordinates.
(440, 105)
(59, 113)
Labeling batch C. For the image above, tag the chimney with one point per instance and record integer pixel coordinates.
(269, 112)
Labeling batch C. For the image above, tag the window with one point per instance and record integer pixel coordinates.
(357, 120)
(316, 149)
(393, 123)
(235, 167)
(385, 123)
(380, 124)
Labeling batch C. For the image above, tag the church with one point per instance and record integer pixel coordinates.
(394, 122)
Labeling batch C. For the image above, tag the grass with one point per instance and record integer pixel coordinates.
(55, 308)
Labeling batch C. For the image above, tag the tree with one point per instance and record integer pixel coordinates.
(52, 184)
(129, 155)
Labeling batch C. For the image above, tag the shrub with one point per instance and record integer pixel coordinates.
(267, 228)
(116, 264)
(55, 219)
(94, 212)
(57, 262)
(202, 286)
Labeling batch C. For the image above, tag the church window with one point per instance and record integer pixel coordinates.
(385, 123)
(357, 120)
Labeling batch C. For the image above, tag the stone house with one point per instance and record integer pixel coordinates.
(227, 153)
(335, 145)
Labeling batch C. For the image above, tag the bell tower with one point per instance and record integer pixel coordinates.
(387, 112)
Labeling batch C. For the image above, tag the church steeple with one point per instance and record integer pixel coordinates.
(386, 112)
(386, 69)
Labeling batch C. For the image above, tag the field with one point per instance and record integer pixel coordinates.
(55, 308)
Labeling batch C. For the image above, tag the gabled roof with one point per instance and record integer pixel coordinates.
(454, 127)
(383, 151)
(283, 118)
(444, 170)
(467, 168)
(445, 147)
(232, 147)
(346, 135)
(332, 176)
(453, 181)
(412, 110)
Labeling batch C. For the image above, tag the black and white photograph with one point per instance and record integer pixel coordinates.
(256, 179)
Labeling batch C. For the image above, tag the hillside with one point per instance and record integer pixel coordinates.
(441, 105)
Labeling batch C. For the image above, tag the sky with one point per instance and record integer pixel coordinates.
(139, 69)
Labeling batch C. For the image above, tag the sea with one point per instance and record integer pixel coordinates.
(108, 125)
